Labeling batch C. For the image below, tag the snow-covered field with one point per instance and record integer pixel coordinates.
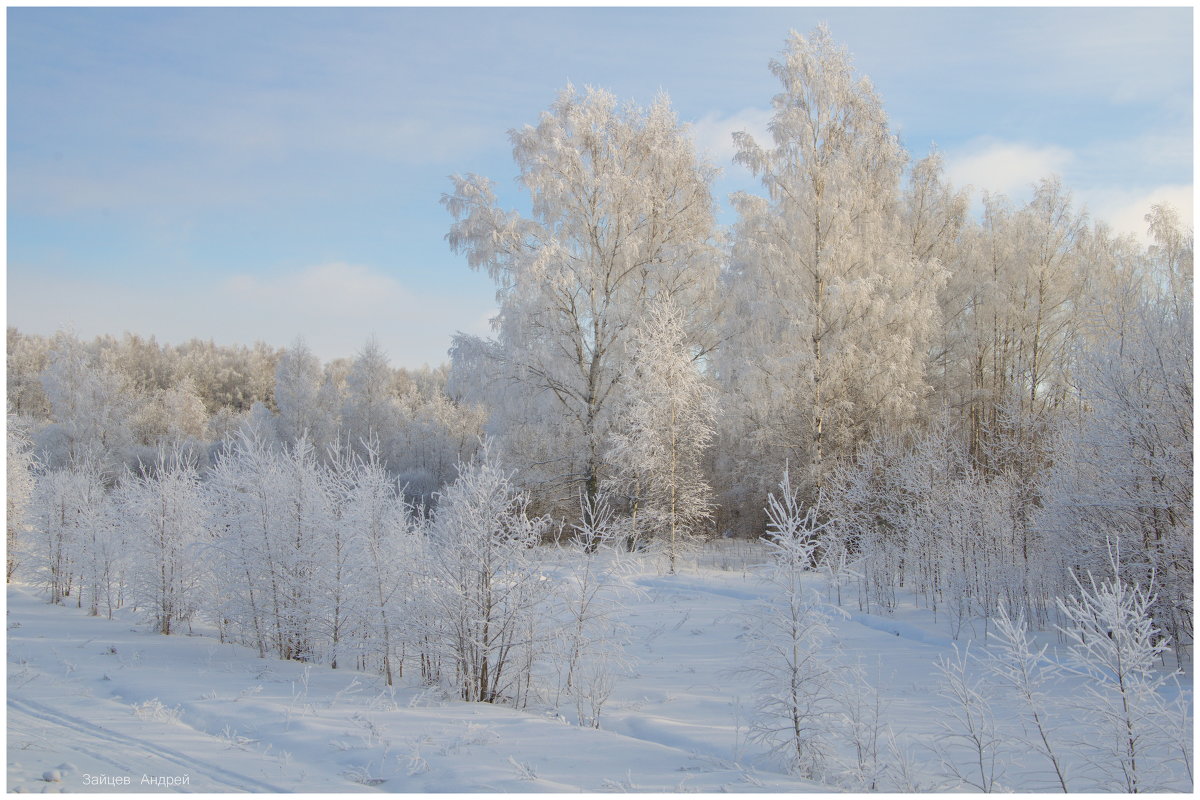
(93, 703)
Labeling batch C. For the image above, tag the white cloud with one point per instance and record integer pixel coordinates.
(713, 133)
(1125, 210)
(1101, 176)
(1009, 168)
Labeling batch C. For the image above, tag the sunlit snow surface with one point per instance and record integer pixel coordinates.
(92, 701)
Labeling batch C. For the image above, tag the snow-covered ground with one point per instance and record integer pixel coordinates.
(93, 703)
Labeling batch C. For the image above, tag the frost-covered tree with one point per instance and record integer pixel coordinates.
(259, 423)
(486, 595)
(590, 644)
(330, 403)
(1017, 319)
(435, 433)
(75, 547)
(1111, 638)
(304, 525)
(298, 380)
(90, 406)
(934, 222)
(184, 412)
(105, 557)
(54, 549)
(792, 659)
(665, 426)
(1031, 677)
(230, 377)
(342, 606)
(914, 514)
(165, 514)
(243, 575)
(1049, 285)
(831, 312)
(173, 418)
(376, 547)
(859, 503)
(862, 763)
(272, 514)
(148, 366)
(970, 744)
(794, 679)
(1122, 473)
(369, 413)
(19, 488)
(621, 212)
(933, 213)
(26, 360)
(1174, 254)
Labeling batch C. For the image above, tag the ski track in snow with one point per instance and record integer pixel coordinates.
(106, 745)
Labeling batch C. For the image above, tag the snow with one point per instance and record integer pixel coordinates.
(93, 702)
(93, 699)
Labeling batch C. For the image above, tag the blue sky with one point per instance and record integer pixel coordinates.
(242, 174)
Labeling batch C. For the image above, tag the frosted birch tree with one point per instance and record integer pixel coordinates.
(75, 545)
(590, 645)
(244, 577)
(1031, 677)
(1112, 639)
(369, 415)
(164, 509)
(1174, 254)
(934, 220)
(486, 597)
(297, 389)
(665, 426)
(20, 485)
(971, 745)
(435, 434)
(26, 360)
(1017, 319)
(792, 659)
(621, 212)
(1123, 467)
(374, 577)
(168, 417)
(90, 406)
(273, 517)
(831, 312)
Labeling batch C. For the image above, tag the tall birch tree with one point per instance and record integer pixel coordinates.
(832, 313)
(621, 212)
